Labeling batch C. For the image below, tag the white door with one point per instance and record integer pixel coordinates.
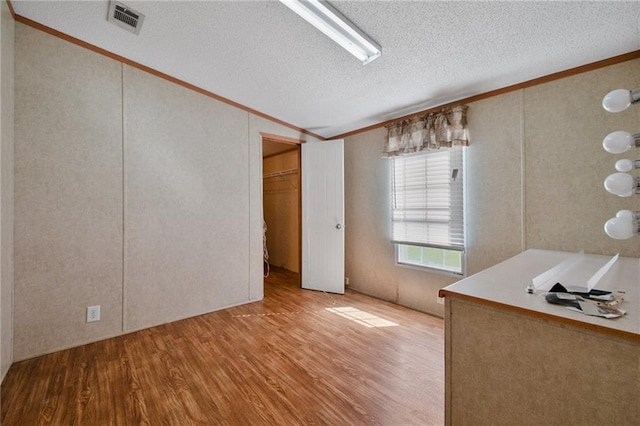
(323, 216)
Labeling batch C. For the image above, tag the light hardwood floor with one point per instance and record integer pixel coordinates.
(286, 360)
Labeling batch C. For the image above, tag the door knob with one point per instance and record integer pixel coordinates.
(338, 226)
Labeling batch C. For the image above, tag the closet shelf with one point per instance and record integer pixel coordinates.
(280, 173)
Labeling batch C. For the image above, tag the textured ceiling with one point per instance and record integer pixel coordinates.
(262, 55)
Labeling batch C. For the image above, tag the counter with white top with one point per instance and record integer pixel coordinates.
(513, 358)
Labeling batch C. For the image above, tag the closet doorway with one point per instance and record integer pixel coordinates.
(281, 202)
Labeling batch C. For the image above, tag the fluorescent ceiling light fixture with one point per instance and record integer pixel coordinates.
(333, 24)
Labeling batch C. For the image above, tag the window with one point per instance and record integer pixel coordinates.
(428, 209)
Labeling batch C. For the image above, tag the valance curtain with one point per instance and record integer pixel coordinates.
(440, 129)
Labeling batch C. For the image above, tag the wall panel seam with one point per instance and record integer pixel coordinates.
(249, 245)
(124, 200)
(523, 174)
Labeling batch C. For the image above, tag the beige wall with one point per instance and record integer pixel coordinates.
(68, 185)
(131, 193)
(535, 172)
(186, 202)
(566, 204)
(7, 26)
(281, 199)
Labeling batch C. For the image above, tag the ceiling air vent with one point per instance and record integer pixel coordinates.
(125, 17)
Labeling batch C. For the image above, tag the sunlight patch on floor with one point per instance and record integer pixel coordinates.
(362, 317)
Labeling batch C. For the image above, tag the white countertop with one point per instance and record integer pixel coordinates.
(506, 283)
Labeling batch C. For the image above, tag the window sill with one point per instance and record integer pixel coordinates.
(432, 270)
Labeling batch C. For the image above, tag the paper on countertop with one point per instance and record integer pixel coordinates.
(598, 275)
(578, 273)
(590, 308)
(545, 280)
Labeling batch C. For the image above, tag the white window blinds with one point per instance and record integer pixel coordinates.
(428, 199)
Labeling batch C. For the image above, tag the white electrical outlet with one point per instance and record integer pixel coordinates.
(346, 280)
(93, 313)
(441, 300)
